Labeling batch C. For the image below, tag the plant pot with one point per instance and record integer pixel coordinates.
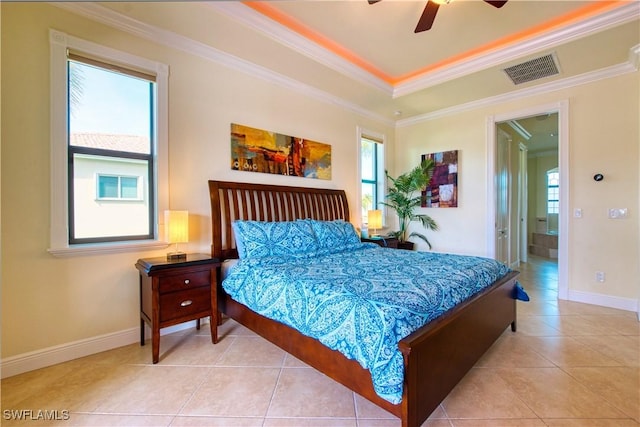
(406, 245)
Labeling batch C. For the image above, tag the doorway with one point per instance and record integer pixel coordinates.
(528, 212)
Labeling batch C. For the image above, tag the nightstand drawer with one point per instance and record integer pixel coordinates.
(184, 281)
(174, 305)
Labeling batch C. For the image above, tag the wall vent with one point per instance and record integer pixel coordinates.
(534, 69)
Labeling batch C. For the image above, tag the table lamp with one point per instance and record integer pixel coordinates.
(374, 219)
(176, 227)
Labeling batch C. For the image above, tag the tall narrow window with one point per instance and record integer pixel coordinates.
(110, 152)
(371, 174)
(553, 192)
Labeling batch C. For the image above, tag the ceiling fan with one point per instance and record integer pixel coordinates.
(431, 8)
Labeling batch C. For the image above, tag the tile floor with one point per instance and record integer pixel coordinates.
(569, 364)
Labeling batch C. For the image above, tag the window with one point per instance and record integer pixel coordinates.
(111, 120)
(553, 192)
(109, 144)
(117, 187)
(371, 173)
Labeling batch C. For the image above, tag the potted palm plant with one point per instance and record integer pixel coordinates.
(401, 197)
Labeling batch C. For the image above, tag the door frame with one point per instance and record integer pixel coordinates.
(562, 108)
(523, 203)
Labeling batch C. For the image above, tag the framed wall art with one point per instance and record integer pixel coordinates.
(442, 191)
(257, 150)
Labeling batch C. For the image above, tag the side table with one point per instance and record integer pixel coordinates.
(177, 291)
(384, 241)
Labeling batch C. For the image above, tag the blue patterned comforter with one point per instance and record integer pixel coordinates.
(362, 300)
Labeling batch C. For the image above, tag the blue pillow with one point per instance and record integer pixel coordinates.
(334, 236)
(261, 239)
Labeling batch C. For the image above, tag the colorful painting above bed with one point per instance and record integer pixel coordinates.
(256, 150)
(442, 191)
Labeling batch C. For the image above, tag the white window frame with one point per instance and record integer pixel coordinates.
(382, 188)
(59, 43)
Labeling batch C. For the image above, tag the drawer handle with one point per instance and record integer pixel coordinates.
(186, 281)
(186, 303)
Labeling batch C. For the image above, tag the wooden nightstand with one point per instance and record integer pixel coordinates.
(173, 292)
(384, 241)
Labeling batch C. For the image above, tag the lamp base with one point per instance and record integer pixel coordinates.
(176, 256)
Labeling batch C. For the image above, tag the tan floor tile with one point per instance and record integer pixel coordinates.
(311, 422)
(105, 420)
(572, 307)
(153, 390)
(622, 324)
(526, 422)
(513, 351)
(190, 349)
(96, 420)
(366, 409)
(567, 351)
(231, 328)
(482, 393)
(252, 351)
(552, 393)
(590, 423)
(183, 421)
(618, 386)
(624, 349)
(233, 392)
(579, 325)
(305, 392)
(293, 362)
(536, 326)
(82, 390)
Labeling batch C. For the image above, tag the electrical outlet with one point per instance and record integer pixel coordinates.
(600, 276)
(618, 213)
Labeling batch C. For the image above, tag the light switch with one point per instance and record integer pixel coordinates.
(618, 213)
(577, 213)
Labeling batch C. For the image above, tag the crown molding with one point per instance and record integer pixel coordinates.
(605, 73)
(294, 41)
(548, 40)
(176, 41)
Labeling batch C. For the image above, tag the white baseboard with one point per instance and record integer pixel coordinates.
(620, 303)
(33, 360)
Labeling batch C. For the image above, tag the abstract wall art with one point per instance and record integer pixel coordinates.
(442, 192)
(256, 150)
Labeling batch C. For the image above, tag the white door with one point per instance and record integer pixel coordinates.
(502, 198)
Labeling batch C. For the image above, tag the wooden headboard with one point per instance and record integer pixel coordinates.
(231, 201)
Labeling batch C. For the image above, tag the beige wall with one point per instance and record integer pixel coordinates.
(604, 137)
(48, 301)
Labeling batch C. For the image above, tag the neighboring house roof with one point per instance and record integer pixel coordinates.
(107, 141)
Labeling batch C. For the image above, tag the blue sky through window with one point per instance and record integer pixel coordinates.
(110, 103)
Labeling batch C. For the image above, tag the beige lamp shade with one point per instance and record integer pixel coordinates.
(176, 230)
(374, 219)
(176, 226)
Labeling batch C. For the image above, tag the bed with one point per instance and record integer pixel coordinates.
(435, 357)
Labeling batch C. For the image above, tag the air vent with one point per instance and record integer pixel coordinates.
(535, 69)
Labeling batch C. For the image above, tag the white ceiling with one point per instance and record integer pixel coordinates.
(367, 55)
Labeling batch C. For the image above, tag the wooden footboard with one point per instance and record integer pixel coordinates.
(438, 355)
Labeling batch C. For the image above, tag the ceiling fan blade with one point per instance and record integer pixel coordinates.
(373, 1)
(497, 4)
(427, 17)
